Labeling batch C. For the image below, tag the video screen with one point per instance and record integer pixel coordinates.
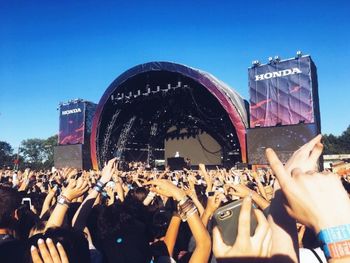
(284, 140)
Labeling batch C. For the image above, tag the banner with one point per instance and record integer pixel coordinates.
(72, 123)
(283, 93)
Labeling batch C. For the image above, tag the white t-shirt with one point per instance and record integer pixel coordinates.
(306, 255)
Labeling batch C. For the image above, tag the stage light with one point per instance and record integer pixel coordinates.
(277, 59)
(270, 59)
(256, 63)
(299, 54)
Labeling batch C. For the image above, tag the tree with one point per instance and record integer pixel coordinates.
(337, 144)
(33, 152)
(6, 154)
(38, 153)
(49, 146)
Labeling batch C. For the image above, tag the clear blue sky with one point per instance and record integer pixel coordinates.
(52, 51)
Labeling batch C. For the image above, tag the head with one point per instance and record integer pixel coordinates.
(9, 203)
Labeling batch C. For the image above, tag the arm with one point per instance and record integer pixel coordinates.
(171, 234)
(260, 186)
(200, 234)
(80, 217)
(213, 203)
(206, 177)
(305, 189)
(47, 201)
(72, 191)
(243, 191)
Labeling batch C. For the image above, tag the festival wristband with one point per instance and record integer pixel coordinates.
(335, 241)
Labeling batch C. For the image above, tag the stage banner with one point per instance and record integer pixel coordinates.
(283, 93)
(72, 123)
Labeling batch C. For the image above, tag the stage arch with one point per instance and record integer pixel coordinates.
(140, 100)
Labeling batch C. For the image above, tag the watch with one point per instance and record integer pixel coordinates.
(62, 200)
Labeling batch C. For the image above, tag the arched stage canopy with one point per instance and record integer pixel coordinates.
(144, 102)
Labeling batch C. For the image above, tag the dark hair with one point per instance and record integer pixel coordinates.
(9, 202)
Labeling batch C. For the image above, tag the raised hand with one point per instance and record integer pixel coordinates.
(166, 188)
(317, 200)
(108, 170)
(75, 188)
(49, 252)
(256, 246)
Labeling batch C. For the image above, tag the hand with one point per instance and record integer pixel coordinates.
(49, 252)
(108, 170)
(257, 246)
(306, 157)
(317, 200)
(166, 188)
(214, 202)
(75, 189)
(241, 190)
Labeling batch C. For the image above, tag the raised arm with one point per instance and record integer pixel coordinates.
(80, 217)
(74, 189)
(308, 193)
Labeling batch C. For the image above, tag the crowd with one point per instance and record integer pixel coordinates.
(287, 213)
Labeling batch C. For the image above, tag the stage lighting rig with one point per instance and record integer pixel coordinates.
(256, 63)
(299, 54)
(277, 59)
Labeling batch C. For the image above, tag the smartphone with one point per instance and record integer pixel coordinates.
(27, 202)
(226, 219)
(212, 193)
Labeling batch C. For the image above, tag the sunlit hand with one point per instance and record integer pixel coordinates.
(166, 188)
(317, 200)
(48, 253)
(258, 245)
(75, 188)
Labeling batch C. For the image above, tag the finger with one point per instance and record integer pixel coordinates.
(219, 246)
(35, 255)
(316, 153)
(244, 219)
(44, 252)
(263, 226)
(53, 251)
(311, 144)
(266, 244)
(62, 252)
(277, 167)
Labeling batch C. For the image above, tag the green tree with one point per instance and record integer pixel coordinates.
(33, 152)
(6, 154)
(49, 146)
(337, 144)
(38, 153)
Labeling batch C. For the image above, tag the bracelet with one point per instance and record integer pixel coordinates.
(97, 188)
(183, 200)
(100, 184)
(186, 209)
(335, 241)
(151, 195)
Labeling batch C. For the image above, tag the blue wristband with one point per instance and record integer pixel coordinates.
(333, 238)
(334, 234)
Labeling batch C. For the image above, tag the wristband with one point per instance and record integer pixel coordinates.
(335, 241)
(97, 188)
(100, 184)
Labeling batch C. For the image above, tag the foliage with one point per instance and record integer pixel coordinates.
(38, 153)
(337, 144)
(6, 154)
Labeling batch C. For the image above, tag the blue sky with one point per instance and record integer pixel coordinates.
(52, 51)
